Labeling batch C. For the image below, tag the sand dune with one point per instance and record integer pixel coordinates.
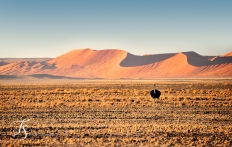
(86, 57)
(115, 63)
(228, 54)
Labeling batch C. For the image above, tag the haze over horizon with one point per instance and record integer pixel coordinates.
(51, 28)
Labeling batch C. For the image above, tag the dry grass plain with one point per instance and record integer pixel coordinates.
(118, 113)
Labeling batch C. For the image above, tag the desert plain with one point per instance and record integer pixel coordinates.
(190, 112)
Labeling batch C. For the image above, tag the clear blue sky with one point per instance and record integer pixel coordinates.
(49, 28)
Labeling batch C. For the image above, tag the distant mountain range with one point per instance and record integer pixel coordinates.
(118, 64)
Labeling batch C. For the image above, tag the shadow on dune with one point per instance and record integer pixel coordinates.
(8, 77)
(37, 76)
(43, 65)
(47, 66)
(41, 76)
(29, 64)
(198, 60)
(3, 63)
(133, 60)
(223, 60)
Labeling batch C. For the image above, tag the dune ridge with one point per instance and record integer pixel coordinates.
(116, 63)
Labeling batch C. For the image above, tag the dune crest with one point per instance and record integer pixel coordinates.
(228, 54)
(133, 60)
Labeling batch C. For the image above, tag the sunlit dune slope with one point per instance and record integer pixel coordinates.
(89, 63)
(87, 57)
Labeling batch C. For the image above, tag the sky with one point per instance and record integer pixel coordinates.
(50, 28)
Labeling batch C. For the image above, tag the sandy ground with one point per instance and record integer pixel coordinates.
(190, 112)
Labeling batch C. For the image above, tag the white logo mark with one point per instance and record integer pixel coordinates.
(22, 127)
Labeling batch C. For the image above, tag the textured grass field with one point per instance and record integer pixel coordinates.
(118, 113)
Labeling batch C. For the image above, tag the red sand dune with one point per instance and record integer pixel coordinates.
(114, 63)
(228, 54)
